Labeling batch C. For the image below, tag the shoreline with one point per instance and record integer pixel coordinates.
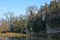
(14, 35)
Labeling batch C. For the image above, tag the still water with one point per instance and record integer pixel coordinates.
(31, 38)
(27, 38)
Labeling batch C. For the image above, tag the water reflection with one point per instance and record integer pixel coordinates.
(36, 38)
(16, 38)
(32, 38)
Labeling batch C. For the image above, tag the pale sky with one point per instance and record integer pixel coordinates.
(19, 6)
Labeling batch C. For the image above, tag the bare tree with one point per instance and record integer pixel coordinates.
(10, 17)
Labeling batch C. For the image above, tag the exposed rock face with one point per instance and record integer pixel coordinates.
(53, 25)
(52, 29)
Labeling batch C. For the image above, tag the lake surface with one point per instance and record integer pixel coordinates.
(39, 38)
(31, 38)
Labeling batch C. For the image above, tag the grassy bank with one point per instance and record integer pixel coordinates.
(14, 35)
